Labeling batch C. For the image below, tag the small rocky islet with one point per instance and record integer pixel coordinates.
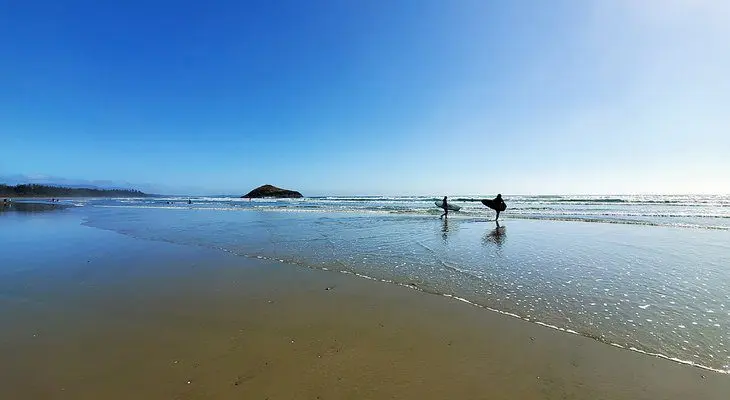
(272, 191)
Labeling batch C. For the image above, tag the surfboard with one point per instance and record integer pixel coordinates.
(494, 205)
(451, 206)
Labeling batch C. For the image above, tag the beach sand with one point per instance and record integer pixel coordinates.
(91, 314)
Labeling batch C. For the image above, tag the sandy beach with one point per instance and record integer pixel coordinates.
(93, 314)
(318, 200)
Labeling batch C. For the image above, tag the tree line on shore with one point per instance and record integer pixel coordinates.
(36, 190)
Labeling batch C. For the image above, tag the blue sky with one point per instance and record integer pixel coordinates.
(369, 97)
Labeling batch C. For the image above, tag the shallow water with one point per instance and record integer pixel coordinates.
(661, 289)
(704, 211)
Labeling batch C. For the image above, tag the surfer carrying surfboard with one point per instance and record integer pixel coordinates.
(496, 204)
(446, 209)
(501, 205)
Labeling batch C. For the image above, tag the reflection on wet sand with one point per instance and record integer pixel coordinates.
(28, 207)
(496, 236)
(449, 228)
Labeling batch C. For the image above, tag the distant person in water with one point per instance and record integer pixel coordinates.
(500, 205)
(190, 201)
(446, 208)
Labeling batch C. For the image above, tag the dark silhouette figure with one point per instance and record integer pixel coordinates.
(501, 206)
(446, 208)
(190, 201)
(496, 204)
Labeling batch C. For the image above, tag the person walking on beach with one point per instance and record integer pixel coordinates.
(500, 206)
(446, 209)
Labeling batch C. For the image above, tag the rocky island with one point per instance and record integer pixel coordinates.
(272, 191)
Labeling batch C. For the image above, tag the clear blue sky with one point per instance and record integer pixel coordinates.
(369, 97)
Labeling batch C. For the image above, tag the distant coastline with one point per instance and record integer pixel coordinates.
(35, 190)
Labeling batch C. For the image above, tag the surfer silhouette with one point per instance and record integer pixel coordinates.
(501, 206)
(446, 209)
(496, 204)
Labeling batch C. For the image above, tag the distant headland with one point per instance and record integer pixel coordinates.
(34, 190)
(271, 191)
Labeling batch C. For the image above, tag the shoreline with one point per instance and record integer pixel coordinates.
(131, 317)
(451, 297)
(633, 347)
(603, 335)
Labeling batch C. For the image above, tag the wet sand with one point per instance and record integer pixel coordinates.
(89, 314)
(26, 206)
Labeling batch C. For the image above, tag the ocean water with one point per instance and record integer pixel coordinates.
(647, 273)
(693, 211)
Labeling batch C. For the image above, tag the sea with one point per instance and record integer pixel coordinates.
(647, 273)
